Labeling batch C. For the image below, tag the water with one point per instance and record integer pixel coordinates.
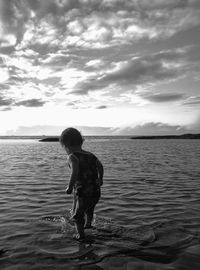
(150, 184)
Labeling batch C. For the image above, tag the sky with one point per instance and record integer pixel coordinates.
(113, 67)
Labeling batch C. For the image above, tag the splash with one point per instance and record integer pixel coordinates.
(107, 238)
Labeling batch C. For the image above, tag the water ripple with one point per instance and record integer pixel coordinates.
(146, 183)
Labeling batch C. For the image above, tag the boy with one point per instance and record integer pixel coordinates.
(85, 179)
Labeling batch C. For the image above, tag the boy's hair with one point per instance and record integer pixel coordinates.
(71, 137)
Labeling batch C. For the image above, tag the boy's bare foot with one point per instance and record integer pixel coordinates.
(78, 237)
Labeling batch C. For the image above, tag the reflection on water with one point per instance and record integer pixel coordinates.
(149, 187)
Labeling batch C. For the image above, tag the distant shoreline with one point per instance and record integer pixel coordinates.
(52, 138)
(183, 136)
(157, 137)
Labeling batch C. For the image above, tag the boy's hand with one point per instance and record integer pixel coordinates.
(68, 191)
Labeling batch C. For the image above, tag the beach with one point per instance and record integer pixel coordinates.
(148, 216)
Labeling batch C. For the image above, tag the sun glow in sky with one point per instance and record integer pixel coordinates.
(117, 66)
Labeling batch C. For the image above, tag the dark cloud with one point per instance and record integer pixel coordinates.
(5, 101)
(4, 86)
(16, 79)
(144, 69)
(159, 5)
(15, 71)
(34, 4)
(31, 103)
(101, 107)
(164, 97)
(91, 84)
(59, 6)
(71, 104)
(153, 68)
(51, 81)
(1, 61)
(6, 50)
(14, 15)
(43, 49)
(14, 76)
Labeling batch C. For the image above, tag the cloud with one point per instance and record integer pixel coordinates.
(56, 60)
(158, 67)
(163, 97)
(56, 130)
(92, 24)
(140, 71)
(101, 107)
(31, 103)
(192, 101)
(151, 128)
(5, 101)
(52, 81)
(148, 68)
(4, 86)
(4, 75)
(95, 64)
(14, 17)
(101, 50)
(145, 129)
(90, 84)
(5, 109)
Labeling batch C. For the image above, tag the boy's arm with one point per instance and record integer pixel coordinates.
(100, 171)
(73, 162)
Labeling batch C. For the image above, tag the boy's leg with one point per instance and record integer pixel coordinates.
(90, 211)
(89, 218)
(78, 217)
(73, 210)
(80, 230)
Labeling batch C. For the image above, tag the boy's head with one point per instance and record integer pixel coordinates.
(71, 137)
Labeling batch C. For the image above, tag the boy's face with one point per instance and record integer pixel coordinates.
(66, 149)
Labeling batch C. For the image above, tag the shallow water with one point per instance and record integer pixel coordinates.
(149, 185)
